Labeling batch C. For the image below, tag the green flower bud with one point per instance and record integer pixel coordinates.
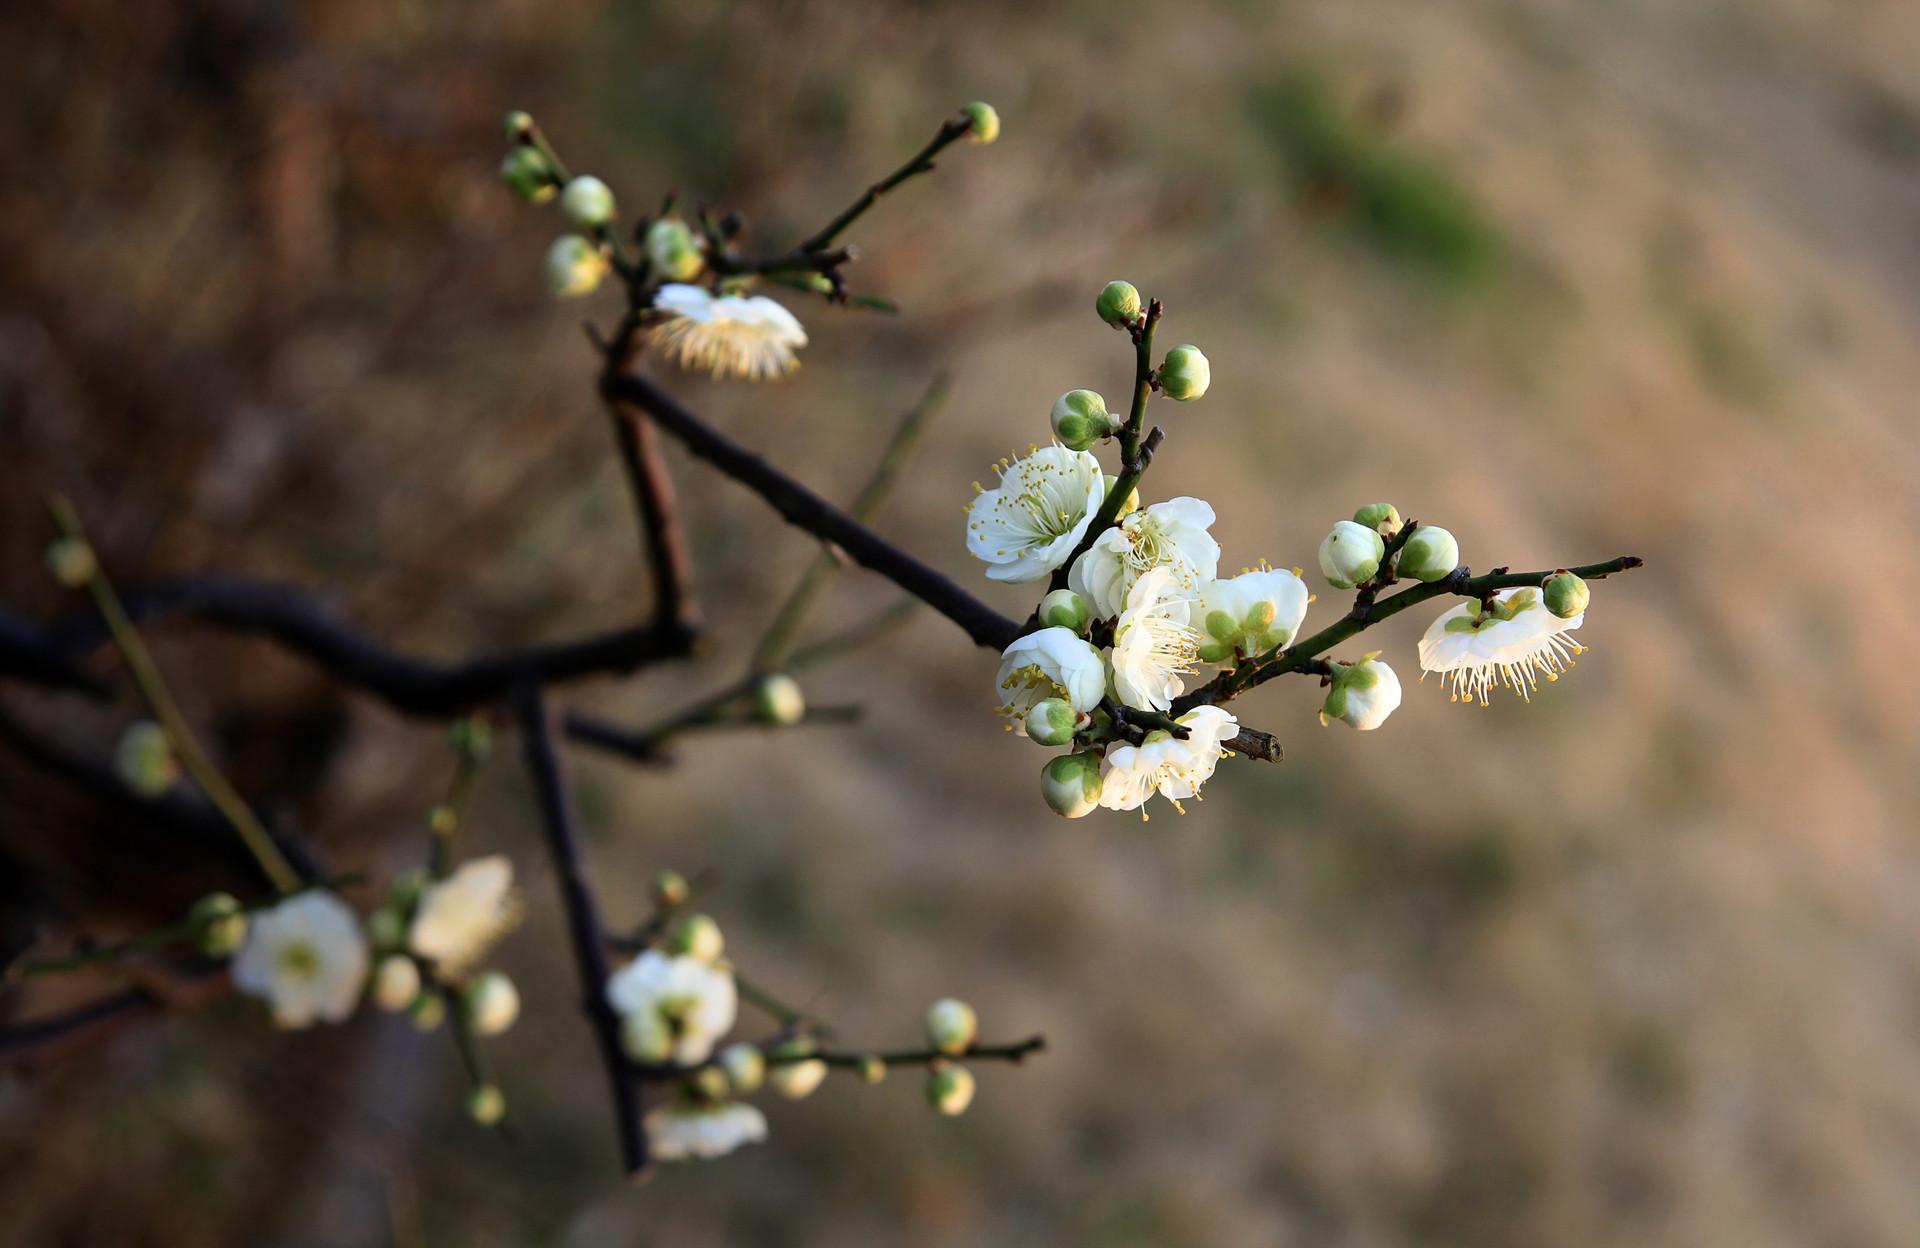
(777, 699)
(530, 175)
(385, 929)
(429, 1011)
(1052, 721)
(950, 1089)
(1351, 554)
(396, 983)
(709, 1083)
(1080, 419)
(1565, 595)
(71, 561)
(145, 759)
(793, 1079)
(442, 820)
(645, 1037)
(1429, 555)
(587, 202)
(746, 1068)
(1382, 518)
(673, 250)
(1071, 784)
(1362, 695)
(1118, 304)
(670, 889)
(983, 121)
(486, 1105)
(951, 1025)
(518, 125)
(1184, 374)
(219, 923)
(1063, 608)
(492, 1003)
(575, 267)
(871, 1069)
(697, 937)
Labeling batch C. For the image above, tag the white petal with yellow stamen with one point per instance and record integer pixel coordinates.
(747, 336)
(1050, 663)
(1172, 534)
(1166, 765)
(1029, 525)
(1154, 642)
(1514, 642)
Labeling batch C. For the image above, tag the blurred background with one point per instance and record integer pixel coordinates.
(1637, 964)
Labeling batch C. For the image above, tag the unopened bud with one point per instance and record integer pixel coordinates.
(443, 820)
(486, 1105)
(951, 1025)
(1565, 595)
(529, 175)
(385, 929)
(791, 1078)
(145, 759)
(950, 1089)
(1382, 518)
(1430, 554)
(220, 925)
(645, 1037)
(575, 267)
(396, 983)
(1184, 374)
(777, 699)
(71, 561)
(518, 125)
(670, 889)
(983, 121)
(1351, 554)
(1063, 608)
(673, 250)
(871, 1069)
(1363, 694)
(709, 1083)
(1052, 722)
(587, 202)
(746, 1068)
(493, 1003)
(1118, 304)
(698, 937)
(1080, 419)
(429, 1011)
(1071, 784)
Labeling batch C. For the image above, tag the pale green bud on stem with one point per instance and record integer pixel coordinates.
(673, 250)
(1430, 554)
(1052, 722)
(587, 202)
(697, 936)
(670, 889)
(1565, 595)
(983, 121)
(530, 175)
(746, 1068)
(1119, 304)
(792, 1079)
(645, 1038)
(950, 1089)
(1062, 608)
(1351, 554)
(443, 820)
(951, 1026)
(219, 924)
(385, 929)
(710, 1083)
(487, 1105)
(1080, 419)
(396, 983)
(777, 699)
(575, 267)
(71, 561)
(429, 1011)
(871, 1069)
(518, 126)
(1071, 784)
(1362, 695)
(1382, 518)
(492, 1003)
(1184, 374)
(145, 761)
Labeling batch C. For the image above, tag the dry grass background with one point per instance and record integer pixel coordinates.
(1634, 965)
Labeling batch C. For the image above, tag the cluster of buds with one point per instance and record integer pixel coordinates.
(577, 262)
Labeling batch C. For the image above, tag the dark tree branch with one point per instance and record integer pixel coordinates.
(583, 920)
(919, 162)
(654, 499)
(27, 651)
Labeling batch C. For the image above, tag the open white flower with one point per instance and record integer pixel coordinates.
(1153, 643)
(1515, 642)
(695, 1132)
(306, 958)
(747, 336)
(1027, 526)
(1172, 535)
(461, 916)
(1050, 663)
(1250, 614)
(1165, 764)
(695, 1003)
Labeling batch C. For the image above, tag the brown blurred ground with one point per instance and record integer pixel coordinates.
(1634, 965)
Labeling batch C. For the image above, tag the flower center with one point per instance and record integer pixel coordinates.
(298, 962)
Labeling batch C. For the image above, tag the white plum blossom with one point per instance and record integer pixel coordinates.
(1172, 534)
(460, 917)
(1031, 522)
(1514, 641)
(693, 1002)
(1154, 642)
(747, 336)
(1165, 764)
(695, 1132)
(1250, 614)
(306, 958)
(1363, 694)
(1049, 663)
